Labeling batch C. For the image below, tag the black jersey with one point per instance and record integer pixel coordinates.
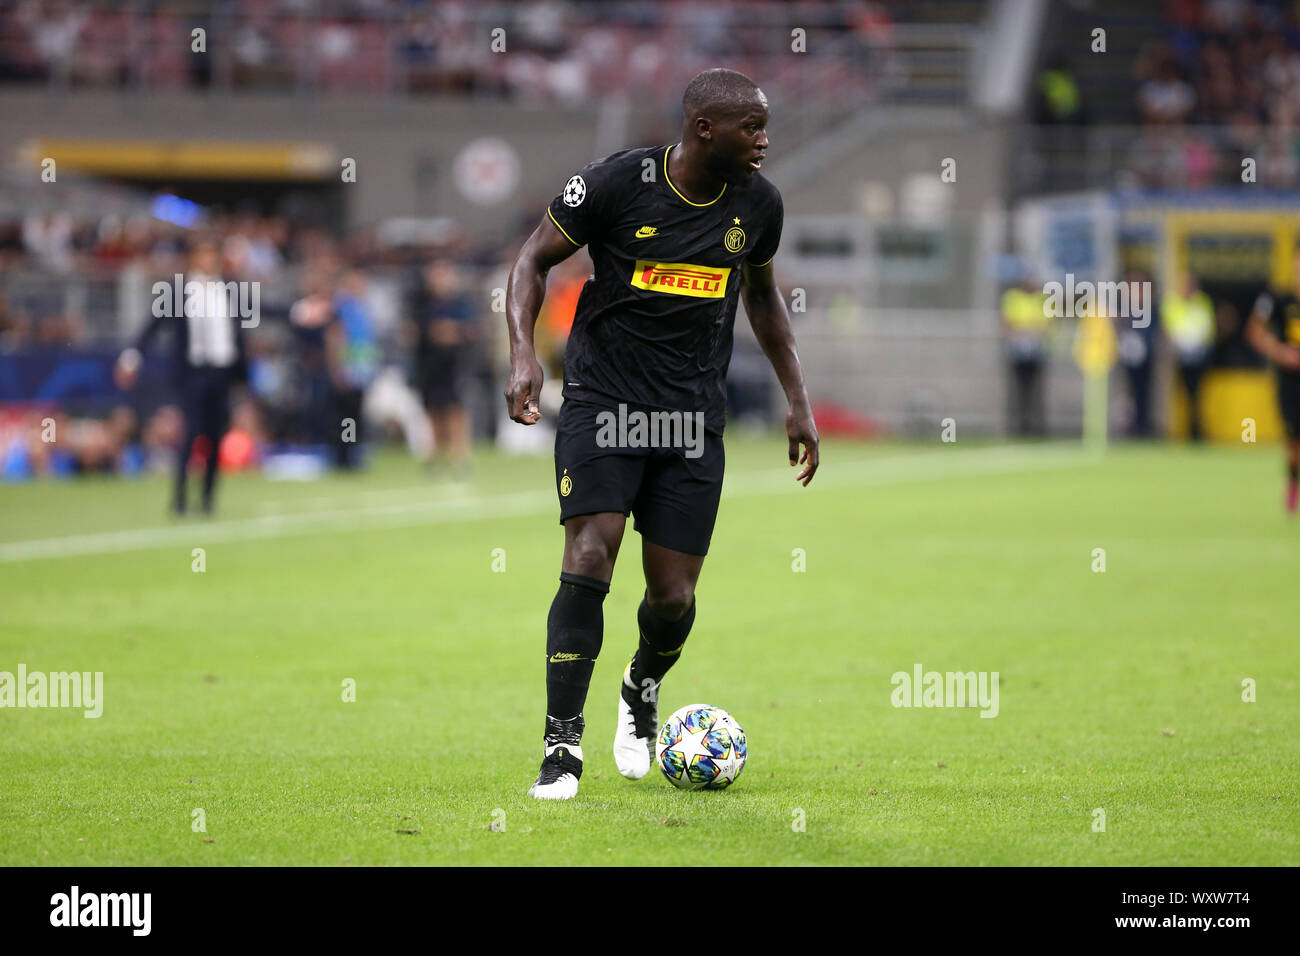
(1283, 313)
(654, 322)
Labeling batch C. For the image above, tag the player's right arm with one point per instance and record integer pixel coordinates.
(545, 248)
(1262, 339)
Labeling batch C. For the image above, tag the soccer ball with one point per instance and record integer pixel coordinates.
(701, 748)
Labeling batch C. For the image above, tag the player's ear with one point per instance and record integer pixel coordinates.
(704, 127)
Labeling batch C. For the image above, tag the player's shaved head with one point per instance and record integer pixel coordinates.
(724, 129)
(716, 93)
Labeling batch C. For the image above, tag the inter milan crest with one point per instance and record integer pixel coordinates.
(735, 239)
(575, 191)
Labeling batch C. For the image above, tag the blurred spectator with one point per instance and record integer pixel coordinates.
(1166, 99)
(15, 326)
(1187, 316)
(57, 330)
(123, 424)
(355, 356)
(1025, 326)
(310, 318)
(242, 445)
(55, 31)
(49, 240)
(1136, 355)
(1057, 100)
(252, 251)
(444, 321)
(160, 438)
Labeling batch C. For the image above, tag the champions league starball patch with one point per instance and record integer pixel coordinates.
(575, 191)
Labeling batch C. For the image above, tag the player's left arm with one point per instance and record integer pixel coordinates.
(771, 321)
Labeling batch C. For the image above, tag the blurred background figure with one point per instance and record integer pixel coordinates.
(1057, 98)
(1274, 331)
(207, 358)
(1025, 328)
(355, 357)
(1187, 317)
(317, 374)
(1137, 355)
(444, 318)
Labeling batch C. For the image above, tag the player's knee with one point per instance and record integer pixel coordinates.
(590, 555)
(671, 602)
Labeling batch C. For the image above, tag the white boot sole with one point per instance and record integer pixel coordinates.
(566, 788)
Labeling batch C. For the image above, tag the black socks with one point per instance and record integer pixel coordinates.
(661, 642)
(575, 629)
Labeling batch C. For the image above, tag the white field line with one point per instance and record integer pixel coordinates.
(946, 463)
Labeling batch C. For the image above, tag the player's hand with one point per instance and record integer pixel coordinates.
(524, 391)
(1288, 357)
(802, 430)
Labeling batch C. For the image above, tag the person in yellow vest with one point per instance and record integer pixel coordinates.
(1187, 317)
(1025, 326)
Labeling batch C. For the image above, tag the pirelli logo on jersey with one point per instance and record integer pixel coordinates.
(681, 278)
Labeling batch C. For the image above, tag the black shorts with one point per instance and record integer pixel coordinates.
(1288, 401)
(672, 492)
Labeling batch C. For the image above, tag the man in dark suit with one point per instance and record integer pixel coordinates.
(207, 357)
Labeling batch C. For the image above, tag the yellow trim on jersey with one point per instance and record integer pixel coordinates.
(681, 278)
(678, 191)
(561, 228)
(759, 265)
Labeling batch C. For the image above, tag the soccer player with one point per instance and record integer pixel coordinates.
(1274, 331)
(677, 233)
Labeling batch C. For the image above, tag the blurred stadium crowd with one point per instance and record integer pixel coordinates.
(1233, 67)
(562, 50)
(1203, 81)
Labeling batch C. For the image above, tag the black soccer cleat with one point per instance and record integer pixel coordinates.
(562, 763)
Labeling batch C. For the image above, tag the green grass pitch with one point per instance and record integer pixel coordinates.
(223, 690)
